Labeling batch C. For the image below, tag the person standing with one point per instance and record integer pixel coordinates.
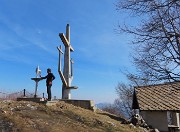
(49, 78)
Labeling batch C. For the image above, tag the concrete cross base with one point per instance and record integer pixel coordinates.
(86, 104)
(31, 99)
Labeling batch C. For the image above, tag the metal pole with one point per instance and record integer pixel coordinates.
(24, 92)
(35, 95)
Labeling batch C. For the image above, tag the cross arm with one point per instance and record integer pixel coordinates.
(64, 40)
(60, 50)
(71, 48)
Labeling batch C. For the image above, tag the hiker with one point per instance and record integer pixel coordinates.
(49, 78)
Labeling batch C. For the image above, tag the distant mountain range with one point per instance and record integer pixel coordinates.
(102, 105)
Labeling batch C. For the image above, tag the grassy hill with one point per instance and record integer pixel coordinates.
(24, 116)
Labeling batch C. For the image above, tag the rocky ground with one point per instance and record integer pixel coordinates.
(24, 116)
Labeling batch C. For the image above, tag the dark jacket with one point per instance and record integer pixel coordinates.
(49, 78)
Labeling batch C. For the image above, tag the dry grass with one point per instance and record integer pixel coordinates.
(29, 116)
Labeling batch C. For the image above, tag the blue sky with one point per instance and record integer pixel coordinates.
(29, 35)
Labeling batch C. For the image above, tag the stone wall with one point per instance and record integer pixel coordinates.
(156, 119)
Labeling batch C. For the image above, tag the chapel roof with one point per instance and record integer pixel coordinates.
(161, 97)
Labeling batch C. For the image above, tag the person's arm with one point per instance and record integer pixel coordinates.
(44, 77)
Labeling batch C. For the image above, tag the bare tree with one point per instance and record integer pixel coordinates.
(111, 108)
(157, 39)
(124, 100)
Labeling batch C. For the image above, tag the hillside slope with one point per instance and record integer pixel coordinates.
(23, 116)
